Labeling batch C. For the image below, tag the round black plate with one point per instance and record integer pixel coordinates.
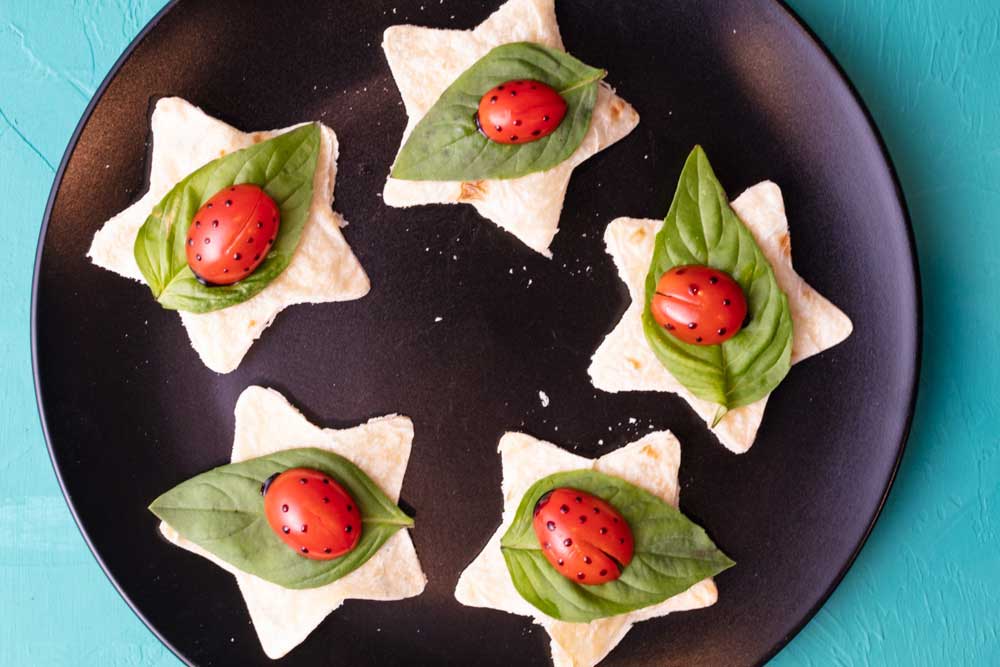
(129, 410)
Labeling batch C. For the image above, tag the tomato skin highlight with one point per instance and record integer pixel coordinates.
(519, 112)
(231, 234)
(699, 305)
(312, 513)
(583, 537)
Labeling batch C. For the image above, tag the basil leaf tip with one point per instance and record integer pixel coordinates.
(284, 167)
(222, 511)
(671, 553)
(446, 145)
(701, 228)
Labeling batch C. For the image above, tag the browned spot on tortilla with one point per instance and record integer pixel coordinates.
(785, 243)
(222, 153)
(617, 106)
(638, 236)
(635, 363)
(257, 137)
(472, 191)
(253, 323)
(651, 452)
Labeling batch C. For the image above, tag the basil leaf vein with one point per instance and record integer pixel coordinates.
(284, 167)
(701, 228)
(446, 145)
(671, 553)
(222, 511)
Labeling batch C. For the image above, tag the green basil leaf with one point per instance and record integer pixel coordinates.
(446, 145)
(701, 228)
(671, 553)
(222, 511)
(283, 167)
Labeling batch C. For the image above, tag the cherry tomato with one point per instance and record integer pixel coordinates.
(311, 513)
(519, 112)
(699, 305)
(231, 234)
(582, 536)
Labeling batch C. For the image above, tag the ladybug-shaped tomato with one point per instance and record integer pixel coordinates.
(699, 305)
(518, 112)
(582, 536)
(231, 234)
(311, 513)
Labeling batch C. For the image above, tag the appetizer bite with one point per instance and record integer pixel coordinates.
(589, 547)
(499, 117)
(234, 228)
(303, 517)
(718, 314)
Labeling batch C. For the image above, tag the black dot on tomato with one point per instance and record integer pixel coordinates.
(229, 202)
(226, 270)
(621, 540)
(286, 529)
(692, 325)
(260, 224)
(579, 499)
(499, 87)
(328, 550)
(207, 240)
(246, 269)
(615, 519)
(513, 137)
(250, 240)
(237, 257)
(493, 100)
(560, 561)
(583, 518)
(348, 528)
(580, 576)
(551, 525)
(713, 280)
(698, 339)
(513, 93)
(304, 550)
(210, 204)
(350, 508)
(681, 272)
(517, 123)
(284, 508)
(694, 289)
(545, 119)
(256, 257)
(326, 481)
(722, 331)
(190, 241)
(726, 302)
(198, 257)
(536, 133)
(604, 573)
(215, 223)
(498, 128)
(270, 242)
(567, 542)
(597, 510)
(232, 189)
(586, 559)
(564, 509)
(305, 528)
(603, 531)
(326, 500)
(670, 327)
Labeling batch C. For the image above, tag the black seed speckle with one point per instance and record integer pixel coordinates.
(713, 279)
(517, 123)
(210, 205)
(726, 302)
(692, 325)
(567, 542)
(190, 241)
(564, 509)
(198, 257)
(722, 331)
(250, 240)
(551, 525)
(284, 508)
(513, 137)
(579, 499)
(215, 223)
(545, 119)
(286, 530)
(348, 528)
(350, 508)
(304, 550)
(580, 576)
(302, 480)
(604, 573)
(260, 224)
(256, 257)
(499, 87)
(493, 100)
(560, 561)
(513, 93)
(583, 518)
(586, 559)
(326, 500)
(670, 327)
(597, 510)
(603, 531)
(536, 133)
(229, 202)
(681, 272)
(237, 257)
(698, 339)
(328, 550)
(207, 240)
(305, 528)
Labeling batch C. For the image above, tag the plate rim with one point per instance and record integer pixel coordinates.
(872, 126)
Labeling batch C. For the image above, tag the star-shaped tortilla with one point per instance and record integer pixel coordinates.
(425, 61)
(625, 362)
(323, 268)
(267, 423)
(651, 463)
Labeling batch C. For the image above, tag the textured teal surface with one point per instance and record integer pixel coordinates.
(924, 590)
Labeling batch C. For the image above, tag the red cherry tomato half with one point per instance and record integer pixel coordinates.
(699, 305)
(582, 536)
(519, 112)
(312, 513)
(231, 234)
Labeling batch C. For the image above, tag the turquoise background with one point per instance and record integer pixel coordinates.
(925, 589)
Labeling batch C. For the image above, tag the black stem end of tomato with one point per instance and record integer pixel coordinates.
(267, 484)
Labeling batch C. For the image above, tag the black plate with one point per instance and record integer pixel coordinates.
(129, 411)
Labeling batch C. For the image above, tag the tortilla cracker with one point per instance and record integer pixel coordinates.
(323, 268)
(267, 423)
(425, 61)
(625, 362)
(652, 463)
